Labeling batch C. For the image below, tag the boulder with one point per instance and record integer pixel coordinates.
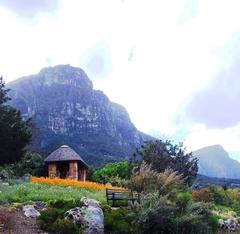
(4, 176)
(229, 224)
(30, 211)
(39, 205)
(90, 216)
(90, 202)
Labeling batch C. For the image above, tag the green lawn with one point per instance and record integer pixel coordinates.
(39, 192)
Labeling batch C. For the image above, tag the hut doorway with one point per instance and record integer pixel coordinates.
(63, 169)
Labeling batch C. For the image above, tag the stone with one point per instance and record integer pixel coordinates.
(30, 211)
(229, 224)
(4, 175)
(90, 216)
(27, 177)
(90, 202)
(39, 205)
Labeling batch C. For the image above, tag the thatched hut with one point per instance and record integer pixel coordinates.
(65, 163)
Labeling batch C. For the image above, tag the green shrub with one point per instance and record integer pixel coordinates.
(160, 215)
(183, 198)
(62, 226)
(219, 195)
(196, 218)
(66, 204)
(154, 215)
(30, 163)
(106, 208)
(112, 172)
(52, 220)
(47, 219)
(117, 221)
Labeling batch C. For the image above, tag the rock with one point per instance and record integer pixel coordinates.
(26, 177)
(30, 211)
(4, 175)
(6, 184)
(39, 205)
(90, 202)
(108, 184)
(229, 224)
(90, 216)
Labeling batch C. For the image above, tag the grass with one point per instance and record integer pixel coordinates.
(41, 192)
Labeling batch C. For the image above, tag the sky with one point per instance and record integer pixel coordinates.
(173, 64)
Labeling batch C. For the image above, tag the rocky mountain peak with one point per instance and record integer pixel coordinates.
(65, 75)
(214, 161)
(63, 104)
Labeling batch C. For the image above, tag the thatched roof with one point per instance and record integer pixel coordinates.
(64, 153)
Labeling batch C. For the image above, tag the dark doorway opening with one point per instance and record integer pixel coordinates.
(63, 169)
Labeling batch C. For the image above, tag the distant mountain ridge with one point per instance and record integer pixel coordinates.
(63, 104)
(214, 161)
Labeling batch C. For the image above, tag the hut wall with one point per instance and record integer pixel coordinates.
(52, 170)
(82, 173)
(73, 170)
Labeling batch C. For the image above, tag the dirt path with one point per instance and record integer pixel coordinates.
(13, 221)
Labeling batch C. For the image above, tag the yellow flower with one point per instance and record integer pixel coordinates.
(68, 182)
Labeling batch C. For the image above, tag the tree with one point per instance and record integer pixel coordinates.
(30, 163)
(15, 133)
(164, 155)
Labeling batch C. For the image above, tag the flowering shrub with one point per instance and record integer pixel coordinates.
(75, 183)
(203, 194)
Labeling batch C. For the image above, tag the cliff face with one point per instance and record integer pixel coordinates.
(67, 110)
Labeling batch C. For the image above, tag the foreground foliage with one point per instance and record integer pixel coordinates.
(52, 220)
(15, 133)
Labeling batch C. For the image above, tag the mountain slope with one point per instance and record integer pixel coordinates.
(67, 110)
(214, 161)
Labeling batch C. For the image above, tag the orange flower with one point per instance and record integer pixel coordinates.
(75, 183)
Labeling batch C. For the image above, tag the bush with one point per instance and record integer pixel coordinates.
(159, 215)
(30, 163)
(154, 215)
(219, 196)
(183, 198)
(117, 221)
(196, 218)
(52, 220)
(203, 194)
(62, 226)
(47, 219)
(144, 179)
(112, 173)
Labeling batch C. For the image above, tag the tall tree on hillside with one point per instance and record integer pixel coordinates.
(15, 133)
(164, 155)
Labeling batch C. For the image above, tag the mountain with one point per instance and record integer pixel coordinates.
(205, 181)
(67, 110)
(214, 161)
